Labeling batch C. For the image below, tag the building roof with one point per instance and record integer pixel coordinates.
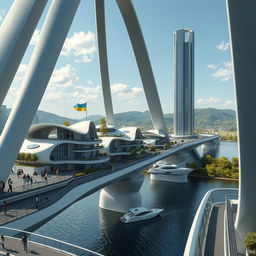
(80, 127)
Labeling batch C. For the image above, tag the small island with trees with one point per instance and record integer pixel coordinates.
(216, 168)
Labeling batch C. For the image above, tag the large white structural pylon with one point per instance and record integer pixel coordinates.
(242, 23)
(15, 34)
(43, 60)
(103, 58)
(143, 62)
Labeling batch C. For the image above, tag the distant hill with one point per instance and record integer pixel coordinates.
(205, 118)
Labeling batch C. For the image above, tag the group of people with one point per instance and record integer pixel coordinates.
(27, 179)
(24, 241)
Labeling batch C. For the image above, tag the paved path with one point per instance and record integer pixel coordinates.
(215, 235)
(14, 247)
(20, 186)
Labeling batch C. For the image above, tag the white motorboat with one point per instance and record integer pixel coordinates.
(139, 214)
(169, 172)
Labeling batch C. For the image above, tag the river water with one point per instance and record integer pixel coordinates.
(86, 225)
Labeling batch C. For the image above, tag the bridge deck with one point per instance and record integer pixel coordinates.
(215, 235)
(26, 206)
(14, 247)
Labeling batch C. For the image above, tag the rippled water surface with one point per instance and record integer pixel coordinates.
(86, 225)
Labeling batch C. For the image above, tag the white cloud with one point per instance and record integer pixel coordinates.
(203, 101)
(86, 89)
(229, 103)
(125, 92)
(2, 15)
(225, 72)
(81, 45)
(116, 88)
(210, 66)
(63, 77)
(223, 46)
(90, 82)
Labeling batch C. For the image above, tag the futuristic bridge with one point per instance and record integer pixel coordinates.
(124, 177)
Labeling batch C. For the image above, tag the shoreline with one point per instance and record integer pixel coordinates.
(212, 178)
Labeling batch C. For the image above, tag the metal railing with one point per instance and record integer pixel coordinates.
(13, 214)
(197, 236)
(37, 183)
(229, 228)
(48, 242)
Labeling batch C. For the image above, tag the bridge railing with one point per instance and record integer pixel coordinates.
(37, 183)
(197, 236)
(48, 242)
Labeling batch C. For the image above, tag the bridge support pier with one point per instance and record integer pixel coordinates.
(122, 195)
(210, 148)
(179, 159)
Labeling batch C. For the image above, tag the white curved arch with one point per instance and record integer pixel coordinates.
(143, 62)
(33, 86)
(103, 59)
(15, 37)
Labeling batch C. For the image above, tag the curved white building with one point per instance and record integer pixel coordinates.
(121, 142)
(74, 147)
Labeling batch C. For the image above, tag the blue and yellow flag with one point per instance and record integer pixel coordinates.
(80, 107)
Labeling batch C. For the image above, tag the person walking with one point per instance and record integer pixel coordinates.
(2, 241)
(37, 200)
(10, 182)
(45, 178)
(24, 240)
(4, 208)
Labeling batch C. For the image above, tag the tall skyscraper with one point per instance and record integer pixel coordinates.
(183, 82)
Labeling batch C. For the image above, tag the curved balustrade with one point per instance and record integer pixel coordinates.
(197, 235)
(47, 242)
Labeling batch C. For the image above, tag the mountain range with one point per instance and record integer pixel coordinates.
(205, 118)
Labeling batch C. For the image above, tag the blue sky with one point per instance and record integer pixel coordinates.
(76, 75)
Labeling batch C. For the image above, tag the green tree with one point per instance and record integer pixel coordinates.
(207, 159)
(103, 126)
(34, 157)
(22, 156)
(235, 162)
(28, 157)
(19, 156)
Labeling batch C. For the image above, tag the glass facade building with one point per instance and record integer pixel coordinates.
(183, 82)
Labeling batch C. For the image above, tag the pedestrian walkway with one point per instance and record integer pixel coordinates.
(14, 247)
(20, 186)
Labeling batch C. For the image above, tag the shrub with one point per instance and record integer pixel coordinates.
(152, 149)
(34, 157)
(250, 241)
(22, 156)
(28, 157)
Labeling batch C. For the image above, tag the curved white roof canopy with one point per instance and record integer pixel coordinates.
(81, 128)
